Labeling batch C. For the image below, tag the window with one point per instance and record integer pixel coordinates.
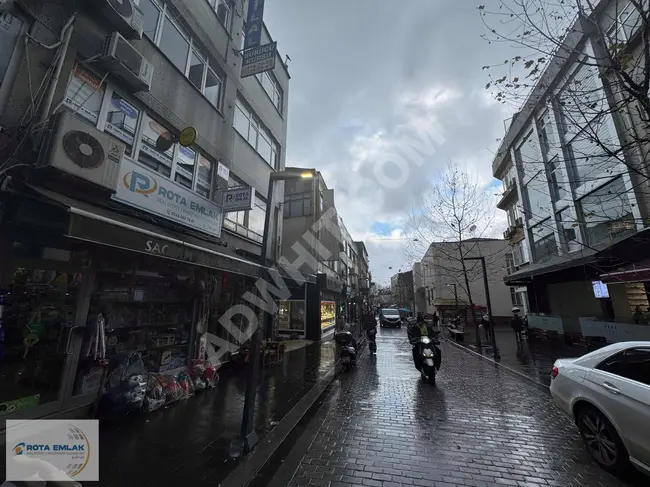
(256, 216)
(85, 93)
(538, 198)
(122, 121)
(152, 14)
(204, 177)
(529, 157)
(10, 29)
(149, 155)
(568, 231)
(545, 135)
(581, 100)
(243, 37)
(196, 69)
(520, 253)
(606, 214)
(296, 205)
(257, 135)
(515, 297)
(213, 85)
(224, 9)
(626, 23)
(272, 88)
(555, 179)
(510, 263)
(185, 164)
(174, 43)
(543, 240)
(631, 364)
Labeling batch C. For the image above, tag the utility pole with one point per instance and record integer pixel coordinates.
(495, 351)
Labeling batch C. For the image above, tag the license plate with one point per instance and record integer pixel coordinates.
(345, 360)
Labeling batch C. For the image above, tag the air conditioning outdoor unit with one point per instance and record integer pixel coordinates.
(77, 148)
(126, 62)
(124, 15)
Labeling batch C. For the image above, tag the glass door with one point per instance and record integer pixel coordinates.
(38, 308)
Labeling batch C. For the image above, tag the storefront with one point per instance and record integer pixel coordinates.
(332, 301)
(77, 279)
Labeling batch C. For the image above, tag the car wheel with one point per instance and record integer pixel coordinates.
(602, 441)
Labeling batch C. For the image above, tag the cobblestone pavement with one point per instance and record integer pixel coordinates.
(480, 426)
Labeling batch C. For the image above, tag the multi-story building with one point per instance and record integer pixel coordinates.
(439, 280)
(122, 121)
(365, 276)
(401, 287)
(574, 172)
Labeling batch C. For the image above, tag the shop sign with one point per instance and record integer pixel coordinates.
(150, 192)
(237, 199)
(21, 404)
(157, 248)
(222, 171)
(258, 60)
(254, 24)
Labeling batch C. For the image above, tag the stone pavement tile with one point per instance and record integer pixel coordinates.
(479, 426)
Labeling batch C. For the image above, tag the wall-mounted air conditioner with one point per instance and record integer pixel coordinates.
(126, 62)
(124, 15)
(77, 148)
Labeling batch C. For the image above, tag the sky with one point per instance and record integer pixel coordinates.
(383, 96)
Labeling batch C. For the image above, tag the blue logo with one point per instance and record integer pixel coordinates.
(19, 449)
(139, 183)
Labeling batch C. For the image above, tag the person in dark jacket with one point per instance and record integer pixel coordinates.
(517, 324)
(420, 329)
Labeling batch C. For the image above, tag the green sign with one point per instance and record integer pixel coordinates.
(21, 404)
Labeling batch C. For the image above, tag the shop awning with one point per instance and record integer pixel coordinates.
(105, 227)
(638, 272)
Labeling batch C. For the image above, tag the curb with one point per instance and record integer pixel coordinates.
(251, 465)
(498, 364)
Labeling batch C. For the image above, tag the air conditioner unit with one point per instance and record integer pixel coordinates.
(124, 15)
(77, 148)
(126, 62)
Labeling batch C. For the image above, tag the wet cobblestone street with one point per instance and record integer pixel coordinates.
(479, 426)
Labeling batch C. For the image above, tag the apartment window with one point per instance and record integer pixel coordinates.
(626, 24)
(545, 139)
(296, 205)
(183, 51)
(174, 43)
(568, 231)
(152, 13)
(581, 100)
(555, 179)
(510, 263)
(223, 9)
(515, 297)
(185, 164)
(204, 176)
(588, 159)
(257, 135)
(150, 156)
(537, 197)
(520, 253)
(606, 214)
(272, 88)
(122, 121)
(10, 30)
(528, 156)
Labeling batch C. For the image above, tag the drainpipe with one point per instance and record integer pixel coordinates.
(49, 98)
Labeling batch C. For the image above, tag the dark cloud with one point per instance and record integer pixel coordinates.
(354, 63)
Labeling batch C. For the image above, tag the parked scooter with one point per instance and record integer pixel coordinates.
(347, 349)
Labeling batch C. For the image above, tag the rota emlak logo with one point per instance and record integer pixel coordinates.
(139, 183)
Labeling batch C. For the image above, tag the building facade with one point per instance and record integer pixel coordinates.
(401, 288)
(440, 285)
(109, 210)
(574, 177)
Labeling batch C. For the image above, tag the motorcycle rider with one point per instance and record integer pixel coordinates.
(420, 329)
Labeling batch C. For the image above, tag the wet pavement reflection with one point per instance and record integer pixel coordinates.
(188, 442)
(480, 425)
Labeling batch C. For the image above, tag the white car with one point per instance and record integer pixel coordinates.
(607, 393)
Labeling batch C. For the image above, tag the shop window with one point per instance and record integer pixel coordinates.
(85, 93)
(174, 43)
(185, 165)
(122, 121)
(150, 156)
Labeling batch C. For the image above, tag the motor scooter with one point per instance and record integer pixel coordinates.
(427, 355)
(347, 349)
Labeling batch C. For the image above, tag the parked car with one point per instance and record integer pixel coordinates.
(390, 317)
(607, 394)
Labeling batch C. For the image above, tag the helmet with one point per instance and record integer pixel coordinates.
(516, 310)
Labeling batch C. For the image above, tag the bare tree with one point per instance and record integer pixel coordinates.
(590, 61)
(457, 214)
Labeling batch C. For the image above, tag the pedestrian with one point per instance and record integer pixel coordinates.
(517, 325)
(435, 320)
(488, 327)
(340, 323)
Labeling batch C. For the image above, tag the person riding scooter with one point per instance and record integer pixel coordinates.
(420, 329)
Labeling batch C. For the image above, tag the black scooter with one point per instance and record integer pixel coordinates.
(428, 356)
(347, 349)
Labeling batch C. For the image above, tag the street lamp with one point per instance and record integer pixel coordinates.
(455, 297)
(248, 434)
(495, 351)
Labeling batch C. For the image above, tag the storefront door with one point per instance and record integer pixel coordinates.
(40, 306)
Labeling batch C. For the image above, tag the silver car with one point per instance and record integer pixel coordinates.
(607, 394)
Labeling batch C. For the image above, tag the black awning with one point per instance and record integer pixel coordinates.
(105, 227)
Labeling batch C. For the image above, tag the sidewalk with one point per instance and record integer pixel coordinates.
(188, 443)
(535, 359)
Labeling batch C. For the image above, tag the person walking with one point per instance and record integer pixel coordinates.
(517, 325)
(436, 320)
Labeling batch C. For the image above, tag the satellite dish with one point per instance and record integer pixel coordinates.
(472, 228)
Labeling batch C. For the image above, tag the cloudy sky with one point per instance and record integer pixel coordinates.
(383, 96)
